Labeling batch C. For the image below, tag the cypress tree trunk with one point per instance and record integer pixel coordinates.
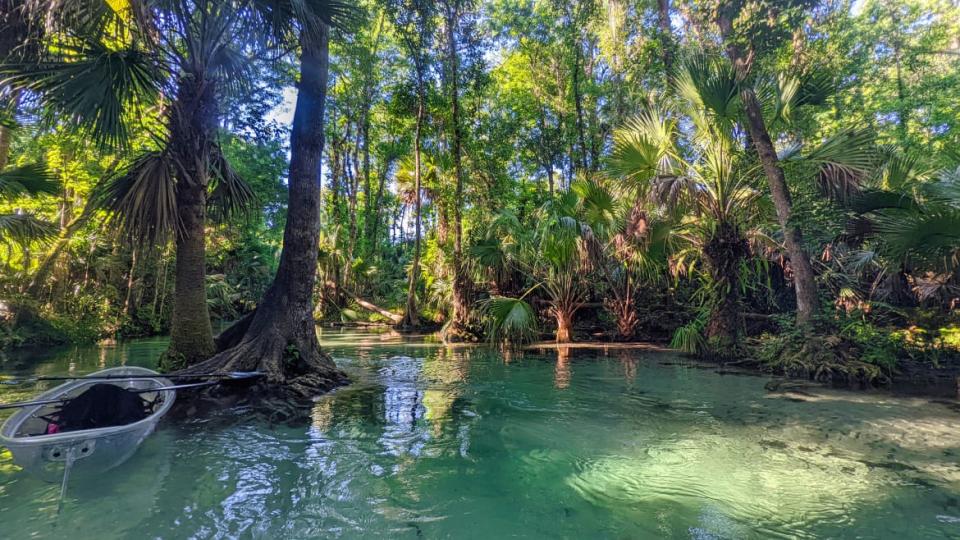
(459, 328)
(280, 338)
(804, 278)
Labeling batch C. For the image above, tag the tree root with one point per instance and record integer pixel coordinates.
(295, 370)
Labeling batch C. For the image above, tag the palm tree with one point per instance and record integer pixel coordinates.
(743, 61)
(556, 254)
(280, 337)
(704, 181)
(906, 226)
(177, 57)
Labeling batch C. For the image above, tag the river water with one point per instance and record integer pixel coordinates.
(437, 442)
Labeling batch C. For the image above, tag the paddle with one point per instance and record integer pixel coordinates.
(134, 390)
(232, 375)
(238, 375)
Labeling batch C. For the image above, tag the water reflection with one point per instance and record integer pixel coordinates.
(434, 441)
(444, 373)
(561, 370)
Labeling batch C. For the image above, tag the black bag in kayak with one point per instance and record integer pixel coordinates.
(102, 405)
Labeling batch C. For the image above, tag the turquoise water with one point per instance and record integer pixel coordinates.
(436, 442)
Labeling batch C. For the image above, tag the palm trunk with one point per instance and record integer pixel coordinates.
(724, 253)
(192, 131)
(564, 319)
(804, 278)
(281, 338)
(191, 334)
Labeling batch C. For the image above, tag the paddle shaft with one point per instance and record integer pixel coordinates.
(231, 375)
(135, 391)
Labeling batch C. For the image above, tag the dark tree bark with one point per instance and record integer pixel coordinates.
(281, 339)
(804, 278)
(459, 325)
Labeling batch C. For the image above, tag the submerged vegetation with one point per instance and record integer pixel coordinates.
(757, 180)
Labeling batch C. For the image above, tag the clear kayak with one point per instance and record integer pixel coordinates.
(90, 450)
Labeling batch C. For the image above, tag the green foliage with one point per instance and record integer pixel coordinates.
(690, 337)
(509, 320)
(91, 82)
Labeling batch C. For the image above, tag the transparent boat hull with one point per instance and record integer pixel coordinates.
(93, 450)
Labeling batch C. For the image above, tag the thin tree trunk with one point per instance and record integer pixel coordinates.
(578, 105)
(378, 208)
(461, 286)
(6, 139)
(371, 87)
(281, 339)
(804, 278)
(410, 317)
(131, 283)
(666, 37)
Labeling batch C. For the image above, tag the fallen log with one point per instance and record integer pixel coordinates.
(394, 318)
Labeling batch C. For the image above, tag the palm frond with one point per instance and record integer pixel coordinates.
(643, 148)
(90, 84)
(874, 199)
(900, 170)
(76, 16)
(282, 18)
(597, 207)
(509, 320)
(142, 199)
(843, 161)
(34, 179)
(933, 238)
(711, 83)
(230, 195)
(22, 229)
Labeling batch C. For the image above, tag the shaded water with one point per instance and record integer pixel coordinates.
(439, 442)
